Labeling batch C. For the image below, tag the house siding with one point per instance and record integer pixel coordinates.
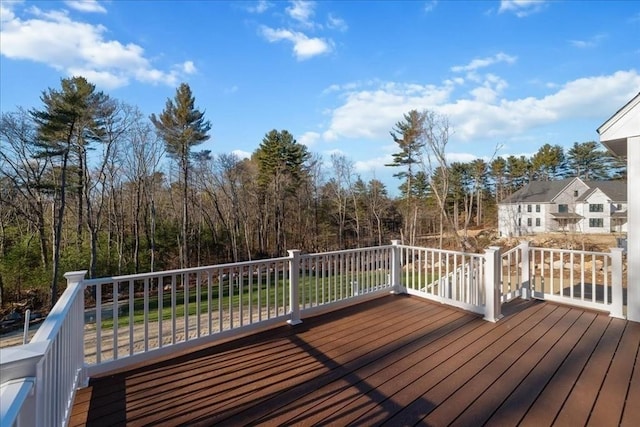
(516, 219)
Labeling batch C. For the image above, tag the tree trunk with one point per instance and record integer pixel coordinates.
(57, 234)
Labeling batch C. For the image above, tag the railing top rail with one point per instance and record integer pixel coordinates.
(367, 249)
(53, 322)
(510, 251)
(13, 394)
(148, 275)
(442, 251)
(568, 251)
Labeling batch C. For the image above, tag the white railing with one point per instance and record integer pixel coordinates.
(459, 279)
(582, 278)
(331, 277)
(127, 319)
(39, 379)
(134, 315)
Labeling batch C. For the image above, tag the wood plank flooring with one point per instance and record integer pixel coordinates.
(396, 361)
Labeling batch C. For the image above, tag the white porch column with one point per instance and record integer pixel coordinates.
(633, 233)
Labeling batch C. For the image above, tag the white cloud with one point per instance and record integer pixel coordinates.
(188, 67)
(372, 165)
(460, 157)
(232, 89)
(309, 138)
(430, 5)
(335, 23)
(79, 47)
(370, 113)
(521, 8)
(260, 7)
(301, 11)
(86, 6)
(589, 43)
(303, 46)
(242, 154)
(485, 62)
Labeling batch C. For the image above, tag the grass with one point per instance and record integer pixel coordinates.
(313, 290)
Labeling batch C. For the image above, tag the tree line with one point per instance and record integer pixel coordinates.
(87, 181)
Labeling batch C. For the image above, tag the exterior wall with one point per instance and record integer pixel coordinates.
(597, 198)
(633, 233)
(513, 223)
(568, 197)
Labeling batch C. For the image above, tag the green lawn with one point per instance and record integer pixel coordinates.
(313, 290)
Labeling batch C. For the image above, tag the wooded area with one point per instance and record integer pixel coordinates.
(89, 182)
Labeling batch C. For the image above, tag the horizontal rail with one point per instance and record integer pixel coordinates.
(13, 395)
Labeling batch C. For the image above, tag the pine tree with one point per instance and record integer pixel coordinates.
(409, 135)
(68, 123)
(181, 126)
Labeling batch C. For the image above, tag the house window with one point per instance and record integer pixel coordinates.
(596, 222)
(563, 208)
(537, 222)
(529, 222)
(596, 207)
(519, 208)
(519, 222)
(528, 208)
(575, 193)
(538, 208)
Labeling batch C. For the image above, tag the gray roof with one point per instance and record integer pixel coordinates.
(545, 191)
(538, 191)
(615, 190)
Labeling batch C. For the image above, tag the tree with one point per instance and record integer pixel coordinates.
(69, 121)
(587, 161)
(548, 163)
(409, 135)
(25, 174)
(281, 169)
(181, 126)
(498, 169)
(434, 163)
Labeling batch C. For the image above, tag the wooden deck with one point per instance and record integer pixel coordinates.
(396, 361)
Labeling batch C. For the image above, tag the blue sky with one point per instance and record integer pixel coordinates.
(338, 75)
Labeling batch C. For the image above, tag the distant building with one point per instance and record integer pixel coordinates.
(571, 204)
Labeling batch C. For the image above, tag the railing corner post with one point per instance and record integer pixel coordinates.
(396, 268)
(616, 284)
(492, 279)
(294, 287)
(526, 269)
(75, 277)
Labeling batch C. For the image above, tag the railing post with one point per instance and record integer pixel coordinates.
(396, 268)
(492, 279)
(616, 284)
(526, 270)
(294, 287)
(75, 278)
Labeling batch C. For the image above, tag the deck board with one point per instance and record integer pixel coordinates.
(395, 360)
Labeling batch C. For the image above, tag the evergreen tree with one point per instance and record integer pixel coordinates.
(182, 126)
(281, 169)
(409, 135)
(68, 123)
(548, 163)
(587, 161)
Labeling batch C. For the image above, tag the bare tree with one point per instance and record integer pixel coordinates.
(436, 132)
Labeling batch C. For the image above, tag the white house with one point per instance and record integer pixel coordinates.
(621, 135)
(571, 204)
